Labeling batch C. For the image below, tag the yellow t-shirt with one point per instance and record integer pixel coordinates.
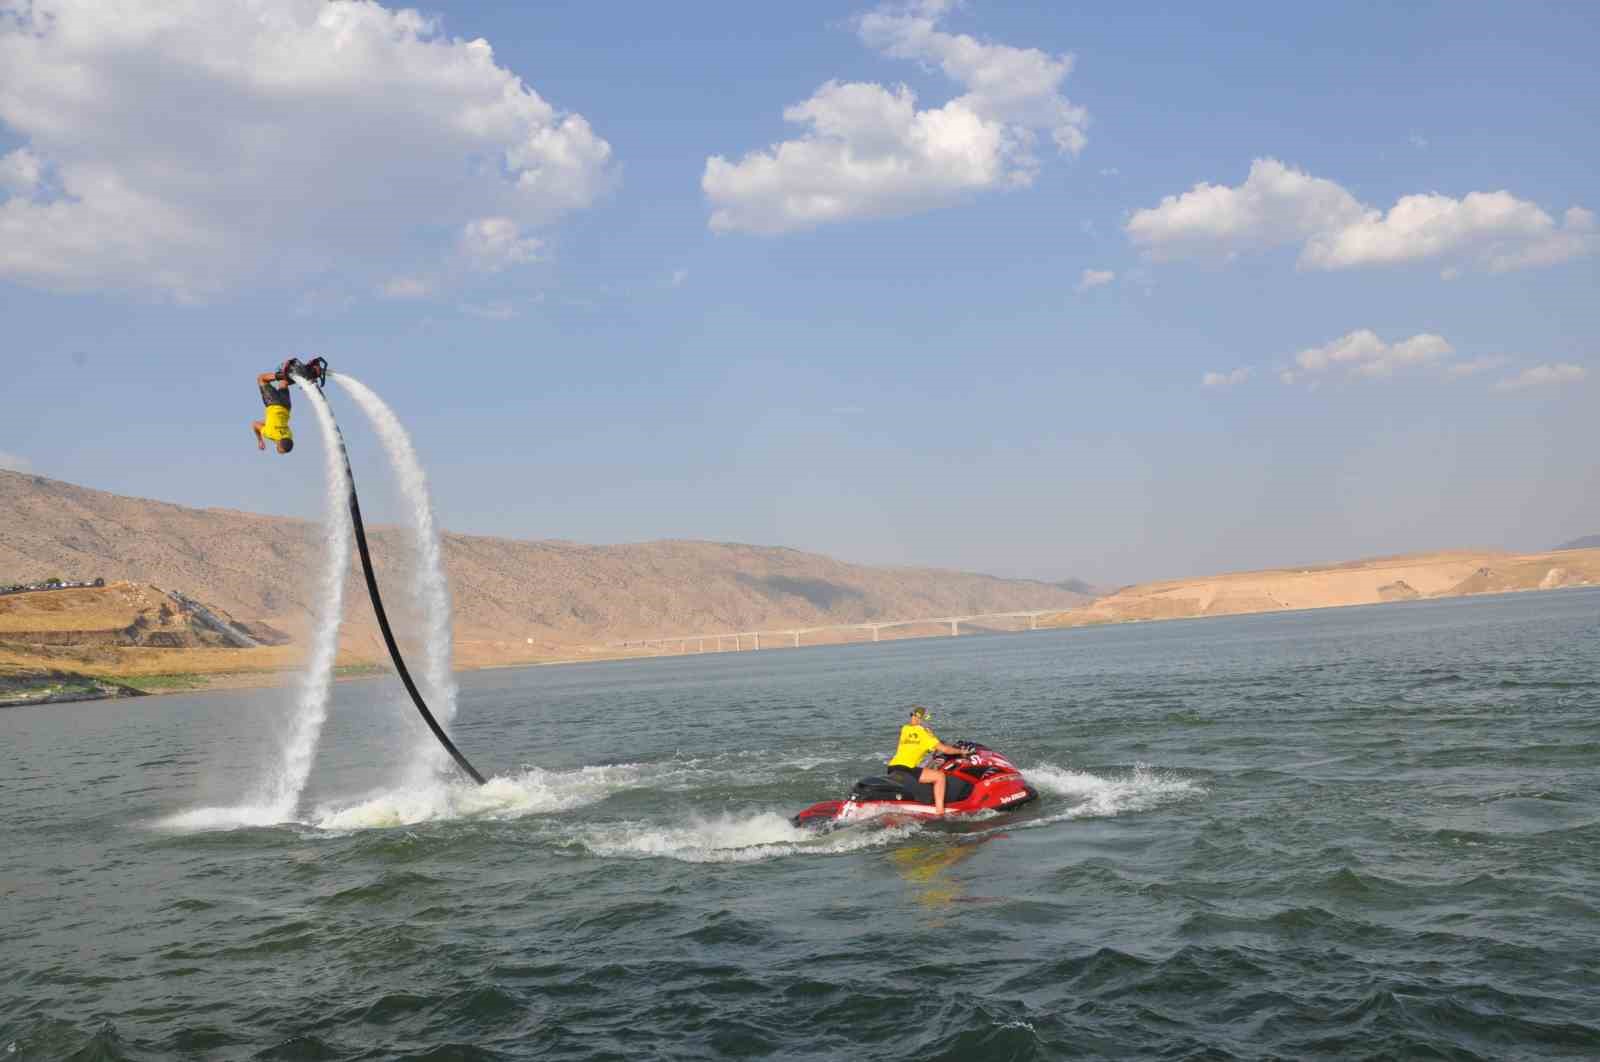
(277, 424)
(915, 744)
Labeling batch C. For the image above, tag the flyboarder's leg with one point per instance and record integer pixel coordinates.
(255, 428)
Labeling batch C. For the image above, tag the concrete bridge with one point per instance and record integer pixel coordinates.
(791, 637)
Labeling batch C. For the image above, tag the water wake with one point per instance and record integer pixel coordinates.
(732, 839)
(428, 589)
(533, 792)
(1092, 796)
(724, 838)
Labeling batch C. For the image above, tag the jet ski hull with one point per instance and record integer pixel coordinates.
(979, 780)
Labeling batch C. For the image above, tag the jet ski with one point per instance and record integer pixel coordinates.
(977, 779)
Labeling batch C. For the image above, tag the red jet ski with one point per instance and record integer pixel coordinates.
(978, 779)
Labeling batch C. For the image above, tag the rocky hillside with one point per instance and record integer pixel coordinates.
(259, 571)
(123, 613)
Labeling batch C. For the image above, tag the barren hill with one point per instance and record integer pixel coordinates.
(258, 570)
(1363, 582)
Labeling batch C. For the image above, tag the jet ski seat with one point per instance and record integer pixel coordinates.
(899, 786)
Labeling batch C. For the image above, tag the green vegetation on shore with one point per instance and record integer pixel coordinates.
(180, 680)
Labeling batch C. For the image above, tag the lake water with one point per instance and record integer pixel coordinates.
(1368, 832)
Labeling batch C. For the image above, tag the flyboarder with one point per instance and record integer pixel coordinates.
(274, 388)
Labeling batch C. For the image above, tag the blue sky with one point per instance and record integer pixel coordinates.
(969, 305)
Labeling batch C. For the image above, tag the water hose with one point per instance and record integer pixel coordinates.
(383, 623)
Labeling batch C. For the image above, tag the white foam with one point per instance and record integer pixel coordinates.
(532, 792)
(731, 839)
(1141, 789)
(222, 818)
(427, 588)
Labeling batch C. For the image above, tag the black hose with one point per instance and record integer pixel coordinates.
(383, 622)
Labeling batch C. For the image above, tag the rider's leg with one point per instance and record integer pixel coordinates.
(938, 779)
(255, 428)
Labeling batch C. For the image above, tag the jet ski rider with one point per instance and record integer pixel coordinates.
(916, 743)
(275, 396)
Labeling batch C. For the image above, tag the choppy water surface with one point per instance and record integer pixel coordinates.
(1363, 832)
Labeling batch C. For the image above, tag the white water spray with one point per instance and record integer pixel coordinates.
(428, 587)
(279, 796)
(311, 708)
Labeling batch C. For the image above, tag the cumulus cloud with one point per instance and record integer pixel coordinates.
(189, 145)
(492, 244)
(1484, 364)
(1094, 278)
(1362, 353)
(869, 151)
(1278, 206)
(1225, 379)
(1274, 206)
(1543, 376)
(1494, 230)
(13, 463)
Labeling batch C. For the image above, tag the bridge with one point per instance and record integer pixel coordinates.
(791, 637)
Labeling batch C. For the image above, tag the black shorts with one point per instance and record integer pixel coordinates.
(271, 395)
(914, 772)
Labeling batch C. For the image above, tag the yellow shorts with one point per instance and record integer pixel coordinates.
(276, 428)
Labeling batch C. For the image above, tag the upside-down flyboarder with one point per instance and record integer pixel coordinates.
(275, 396)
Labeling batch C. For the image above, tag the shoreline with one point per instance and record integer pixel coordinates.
(65, 687)
(68, 687)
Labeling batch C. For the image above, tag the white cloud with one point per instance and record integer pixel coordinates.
(1110, 171)
(1225, 379)
(14, 463)
(405, 288)
(492, 244)
(868, 151)
(1277, 206)
(21, 172)
(1094, 278)
(1543, 376)
(1274, 206)
(1494, 230)
(492, 311)
(1477, 365)
(1362, 353)
(193, 144)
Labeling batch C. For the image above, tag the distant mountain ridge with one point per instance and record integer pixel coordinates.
(1586, 542)
(508, 593)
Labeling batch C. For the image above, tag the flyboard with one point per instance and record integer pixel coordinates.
(315, 374)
